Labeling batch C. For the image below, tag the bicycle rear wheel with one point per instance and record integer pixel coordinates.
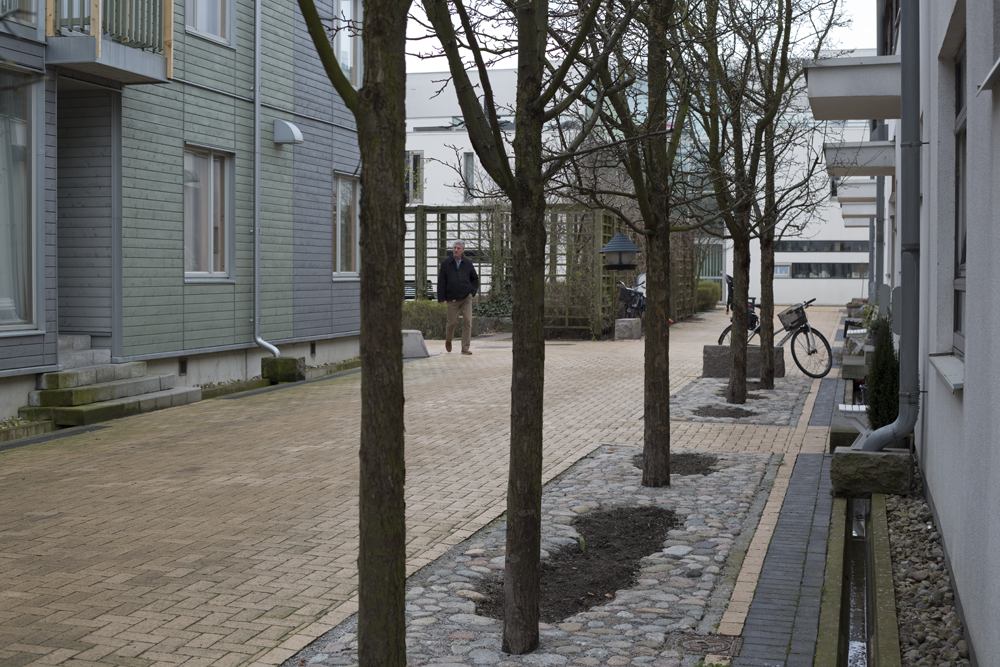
(811, 352)
(726, 337)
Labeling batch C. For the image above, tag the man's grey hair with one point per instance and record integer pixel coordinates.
(459, 242)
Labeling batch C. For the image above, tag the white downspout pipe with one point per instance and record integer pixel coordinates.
(257, 28)
(909, 215)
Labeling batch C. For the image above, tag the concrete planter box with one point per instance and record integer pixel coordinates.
(716, 362)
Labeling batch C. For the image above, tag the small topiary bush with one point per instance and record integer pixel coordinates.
(883, 375)
(428, 317)
(708, 294)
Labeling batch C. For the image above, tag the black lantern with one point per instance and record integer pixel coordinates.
(620, 252)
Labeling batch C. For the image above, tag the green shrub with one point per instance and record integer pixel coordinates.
(708, 294)
(428, 317)
(499, 303)
(883, 375)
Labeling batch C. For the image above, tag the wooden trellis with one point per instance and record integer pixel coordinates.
(580, 297)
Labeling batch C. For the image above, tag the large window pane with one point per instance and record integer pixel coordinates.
(22, 11)
(205, 215)
(345, 239)
(208, 16)
(830, 270)
(16, 267)
(349, 39)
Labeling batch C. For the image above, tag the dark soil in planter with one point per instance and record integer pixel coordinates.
(574, 580)
(728, 411)
(686, 464)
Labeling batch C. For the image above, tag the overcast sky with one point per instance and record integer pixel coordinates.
(861, 35)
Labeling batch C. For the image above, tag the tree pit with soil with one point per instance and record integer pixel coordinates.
(686, 463)
(607, 560)
(727, 412)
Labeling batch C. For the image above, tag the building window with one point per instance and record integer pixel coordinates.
(21, 11)
(830, 270)
(782, 270)
(207, 218)
(469, 174)
(348, 40)
(961, 194)
(414, 177)
(821, 246)
(16, 265)
(345, 226)
(209, 17)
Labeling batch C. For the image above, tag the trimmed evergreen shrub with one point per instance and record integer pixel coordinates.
(883, 375)
(428, 317)
(708, 294)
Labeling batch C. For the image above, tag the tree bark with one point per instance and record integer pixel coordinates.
(656, 436)
(736, 392)
(767, 308)
(522, 568)
(382, 544)
(380, 112)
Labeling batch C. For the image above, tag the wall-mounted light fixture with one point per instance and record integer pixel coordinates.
(287, 133)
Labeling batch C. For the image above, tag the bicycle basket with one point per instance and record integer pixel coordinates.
(792, 318)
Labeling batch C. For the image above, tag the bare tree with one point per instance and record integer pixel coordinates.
(379, 110)
(490, 31)
(750, 71)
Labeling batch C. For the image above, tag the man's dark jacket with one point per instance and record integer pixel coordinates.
(456, 282)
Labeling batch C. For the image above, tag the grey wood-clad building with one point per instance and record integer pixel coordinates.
(128, 187)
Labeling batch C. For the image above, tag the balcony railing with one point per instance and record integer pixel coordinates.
(147, 25)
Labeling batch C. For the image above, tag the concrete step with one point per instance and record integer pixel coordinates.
(84, 415)
(853, 367)
(69, 342)
(81, 377)
(100, 392)
(82, 358)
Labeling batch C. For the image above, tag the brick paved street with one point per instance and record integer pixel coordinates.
(224, 532)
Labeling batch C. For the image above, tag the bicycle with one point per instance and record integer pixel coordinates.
(810, 349)
(633, 299)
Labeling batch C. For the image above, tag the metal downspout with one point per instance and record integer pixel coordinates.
(258, 8)
(881, 132)
(909, 215)
(880, 135)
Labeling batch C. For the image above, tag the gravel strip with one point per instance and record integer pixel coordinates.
(930, 632)
(665, 620)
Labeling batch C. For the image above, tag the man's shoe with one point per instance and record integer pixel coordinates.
(466, 352)
(447, 345)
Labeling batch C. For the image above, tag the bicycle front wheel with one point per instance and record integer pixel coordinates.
(726, 337)
(811, 352)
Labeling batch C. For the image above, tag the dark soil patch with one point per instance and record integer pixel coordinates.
(686, 464)
(573, 580)
(727, 411)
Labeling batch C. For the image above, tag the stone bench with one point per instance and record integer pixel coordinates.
(716, 362)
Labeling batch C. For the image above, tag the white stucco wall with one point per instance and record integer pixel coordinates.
(957, 433)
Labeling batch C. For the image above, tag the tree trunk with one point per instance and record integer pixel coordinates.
(522, 569)
(382, 141)
(767, 307)
(736, 392)
(656, 440)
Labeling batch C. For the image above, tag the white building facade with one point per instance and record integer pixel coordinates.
(959, 276)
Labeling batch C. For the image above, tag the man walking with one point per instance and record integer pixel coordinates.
(457, 284)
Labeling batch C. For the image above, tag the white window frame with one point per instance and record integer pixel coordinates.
(469, 175)
(349, 17)
(339, 271)
(783, 275)
(226, 251)
(414, 177)
(200, 31)
(31, 173)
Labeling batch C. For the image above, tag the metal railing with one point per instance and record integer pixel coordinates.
(135, 23)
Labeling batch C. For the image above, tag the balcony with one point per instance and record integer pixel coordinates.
(856, 190)
(861, 158)
(128, 41)
(854, 88)
(857, 215)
